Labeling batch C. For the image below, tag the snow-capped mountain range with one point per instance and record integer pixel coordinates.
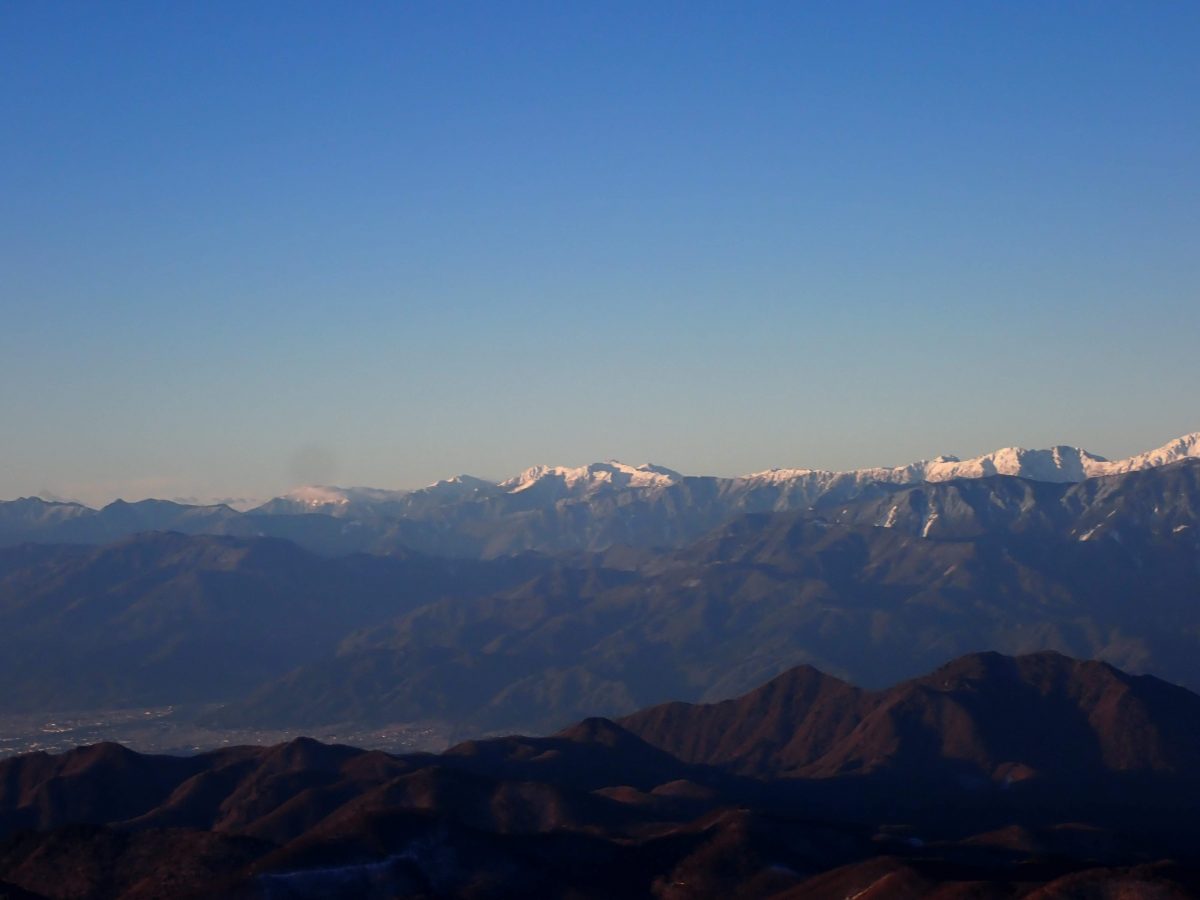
(561, 509)
(557, 483)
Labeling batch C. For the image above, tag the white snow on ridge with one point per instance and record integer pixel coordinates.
(316, 495)
(459, 486)
(326, 497)
(586, 479)
(1185, 447)
(552, 483)
(1061, 464)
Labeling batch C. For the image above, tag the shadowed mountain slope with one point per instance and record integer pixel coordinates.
(998, 717)
(767, 592)
(1141, 506)
(872, 591)
(1086, 784)
(172, 618)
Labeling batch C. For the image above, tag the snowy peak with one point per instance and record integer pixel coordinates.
(1056, 464)
(1060, 463)
(1064, 463)
(591, 478)
(1185, 447)
(460, 483)
(329, 500)
(317, 496)
(458, 488)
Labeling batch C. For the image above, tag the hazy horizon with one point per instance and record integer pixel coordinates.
(250, 248)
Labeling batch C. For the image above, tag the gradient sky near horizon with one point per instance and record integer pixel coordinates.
(249, 245)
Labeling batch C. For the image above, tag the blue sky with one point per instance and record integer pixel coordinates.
(249, 244)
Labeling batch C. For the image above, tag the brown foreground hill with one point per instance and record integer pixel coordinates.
(1036, 776)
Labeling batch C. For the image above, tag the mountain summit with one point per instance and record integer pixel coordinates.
(584, 480)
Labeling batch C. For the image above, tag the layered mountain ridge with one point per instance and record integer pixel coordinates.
(1051, 777)
(1102, 568)
(996, 717)
(756, 669)
(549, 509)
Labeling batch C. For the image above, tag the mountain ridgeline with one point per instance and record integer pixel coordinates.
(549, 509)
(1050, 777)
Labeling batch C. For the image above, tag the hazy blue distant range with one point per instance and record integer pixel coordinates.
(874, 588)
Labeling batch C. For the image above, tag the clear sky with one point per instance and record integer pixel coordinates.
(244, 245)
